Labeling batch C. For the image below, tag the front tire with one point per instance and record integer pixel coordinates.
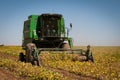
(22, 57)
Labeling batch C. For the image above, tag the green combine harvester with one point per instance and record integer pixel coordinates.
(45, 32)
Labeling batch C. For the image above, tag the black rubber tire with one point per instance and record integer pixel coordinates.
(22, 57)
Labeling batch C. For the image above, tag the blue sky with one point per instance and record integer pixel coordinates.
(95, 22)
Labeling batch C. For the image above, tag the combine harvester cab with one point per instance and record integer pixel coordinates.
(45, 32)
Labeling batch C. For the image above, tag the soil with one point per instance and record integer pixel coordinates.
(71, 75)
(8, 75)
(7, 56)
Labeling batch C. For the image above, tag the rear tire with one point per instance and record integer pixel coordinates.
(66, 46)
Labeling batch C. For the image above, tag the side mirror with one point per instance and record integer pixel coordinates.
(70, 25)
